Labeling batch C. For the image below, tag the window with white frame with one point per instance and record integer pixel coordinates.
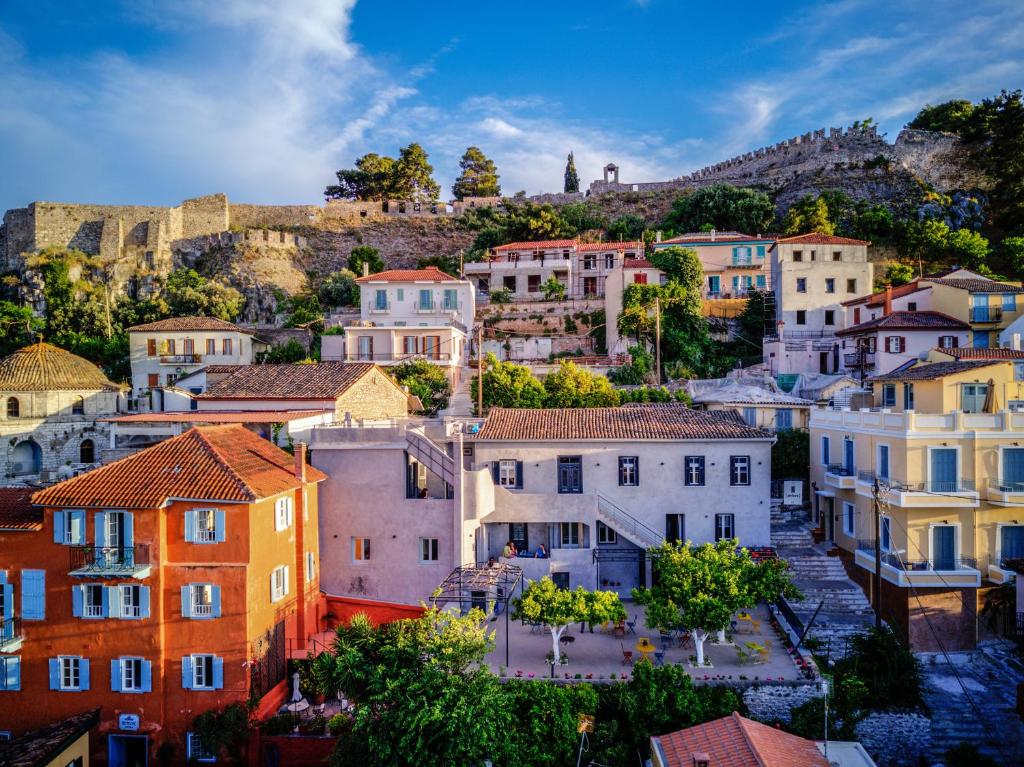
(206, 526)
(279, 583)
(885, 528)
(605, 534)
(201, 598)
(725, 527)
(360, 549)
(849, 518)
(310, 567)
(202, 672)
(131, 601)
(507, 473)
(428, 549)
(72, 527)
(629, 471)
(92, 601)
(694, 471)
(908, 396)
(70, 672)
(739, 470)
(569, 534)
(197, 750)
(889, 395)
(131, 674)
(883, 462)
(10, 672)
(283, 513)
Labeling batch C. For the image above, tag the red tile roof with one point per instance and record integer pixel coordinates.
(603, 247)
(814, 238)
(719, 238)
(970, 353)
(189, 323)
(430, 274)
(878, 299)
(539, 245)
(322, 380)
(907, 321)
(977, 285)
(216, 463)
(629, 422)
(735, 741)
(17, 511)
(935, 370)
(637, 263)
(218, 416)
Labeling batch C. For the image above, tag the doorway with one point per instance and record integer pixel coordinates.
(570, 474)
(128, 751)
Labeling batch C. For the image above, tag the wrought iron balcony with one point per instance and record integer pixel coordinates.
(986, 314)
(10, 635)
(180, 359)
(933, 486)
(840, 470)
(859, 359)
(898, 562)
(110, 561)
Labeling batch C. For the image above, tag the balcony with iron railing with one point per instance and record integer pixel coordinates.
(10, 635)
(1005, 493)
(986, 314)
(859, 359)
(181, 359)
(110, 561)
(840, 476)
(936, 573)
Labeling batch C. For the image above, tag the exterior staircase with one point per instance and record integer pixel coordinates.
(430, 454)
(626, 524)
(460, 404)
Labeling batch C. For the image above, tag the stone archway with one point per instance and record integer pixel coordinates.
(26, 458)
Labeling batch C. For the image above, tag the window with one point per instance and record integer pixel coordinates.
(211, 346)
(837, 255)
(1009, 302)
(380, 300)
(783, 419)
(609, 260)
(1011, 544)
(948, 342)
(283, 513)
(888, 395)
(798, 255)
(912, 306)
(410, 345)
(714, 284)
(33, 595)
(428, 550)
(694, 476)
(78, 406)
(849, 517)
(569, 534)
(908, 396)
(750, 416)
(13, 407)
(801, 284)
(605, 534)
(851, 285)
(570, 474)
(739, 470)
(830, 317)
(69, 673)
(205, 525)
(310, 567)
(226, 347)
(973, 397)
(200, 600)
(725, 527)
(197, 750)
(895, 344)
(589, 262)
(451, 300)
(825, 445)
(10, 673)
(87, 451)
(801, 316)
(170, 347)
(152, 380)
(360, 549)
(1018, 371)
(830, 284)
(432, 347)
(883, 462)
(426, 300)
(202, 672)
(675, 527)
(94, 601)
(130, 675)
(69, 527)
(640, 278)
(279, 583)
(509, 473)
(133, 601)
(885, 533)
(150, 347)
(629, 471)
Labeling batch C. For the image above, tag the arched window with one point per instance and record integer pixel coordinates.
(78, 406)
(87, 451)
(13, 407)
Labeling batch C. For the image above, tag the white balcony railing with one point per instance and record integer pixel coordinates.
(202, 610)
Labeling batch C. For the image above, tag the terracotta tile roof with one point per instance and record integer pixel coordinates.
(602, 247)
(218, 416)
(430, 274)
(977, 285)
(42, 746)
(539, 245)
(735, 741)
(970, 353)
(935, 370)
(322, 380)
(814, 238)
(719, 238)
(637, 263)
(217, 463)
(878, 299)
(190, 323)
(630, 422)
(45, 367)
(17, 511)
(907, 321)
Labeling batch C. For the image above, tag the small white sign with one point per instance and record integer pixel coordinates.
(128, 722)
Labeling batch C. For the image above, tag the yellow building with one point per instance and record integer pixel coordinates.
(986, 305)
(62, 744)
(947, 450)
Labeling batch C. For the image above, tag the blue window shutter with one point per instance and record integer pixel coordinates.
(186, 672)
(33, 594)
(735, 283)
(3, 576)
(77, 601)
(77, 527)
(143, 601)
(190, 526)
(105, 600)
(83, 674)
(761, 281)
(735, 256)
(760, 251)
(186, 601)
(519, 475)
(12, 673)
(8, 589)
(215, 597)
(129, 529)
(58, 527)
(54, 674)
(494, 471)
(147, 676)
(101, 528)
(218, 673)
(221, 531)
(115, 675)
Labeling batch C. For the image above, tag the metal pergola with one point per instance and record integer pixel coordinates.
(489, 587)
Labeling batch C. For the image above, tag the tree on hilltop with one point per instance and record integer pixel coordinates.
(572, 178)
(723, 207)
(479, 176)
(377, 177)
(808, 214)
(365, 254)
(413, 176)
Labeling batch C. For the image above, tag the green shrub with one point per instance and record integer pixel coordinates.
(281, 724)
(339, 724)
(501, 296)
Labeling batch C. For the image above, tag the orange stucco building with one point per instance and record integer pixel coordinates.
(158, 587)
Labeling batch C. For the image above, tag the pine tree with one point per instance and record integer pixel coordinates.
(479, 177)
(572, 178)
(413, 177)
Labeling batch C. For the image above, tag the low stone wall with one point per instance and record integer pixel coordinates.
(895, 739)
(773, 702)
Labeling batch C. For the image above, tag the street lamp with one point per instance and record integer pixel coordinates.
(823, 686)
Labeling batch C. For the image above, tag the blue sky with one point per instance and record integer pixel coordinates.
(151, 102)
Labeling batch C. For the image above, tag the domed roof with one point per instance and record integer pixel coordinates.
(43, 367)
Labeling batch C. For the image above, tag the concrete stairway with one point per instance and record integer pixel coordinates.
(460, 404)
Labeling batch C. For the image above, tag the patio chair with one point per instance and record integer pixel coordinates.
(631, 626)
(685, 639)
(743, 656)
(766, 652)
(659, 659)
(627, 655)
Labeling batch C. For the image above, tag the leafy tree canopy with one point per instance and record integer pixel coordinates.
(189, 294)
(808, 214)
(723, 207)
(376, 177)
(572, 386)
(339, 289)
(478, 177)
(426, 381)
(626, 228)
(899, 274)
(18, 327)
(365, 254)
(289, 352)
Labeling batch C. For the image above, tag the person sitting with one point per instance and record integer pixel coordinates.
(542, 552)
(509, 551)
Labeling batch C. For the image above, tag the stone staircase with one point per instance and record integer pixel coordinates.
(460, 404)
(823, 580)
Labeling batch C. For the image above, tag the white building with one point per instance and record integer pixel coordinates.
(633, 271)
(408, 314)
(885, 343)
(595, 487)
(164, 351)
(811, 276)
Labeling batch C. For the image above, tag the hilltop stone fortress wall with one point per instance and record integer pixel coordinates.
(934, 157)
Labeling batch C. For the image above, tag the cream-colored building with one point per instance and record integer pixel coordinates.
(734, 263)
(633, 271)
(947, 450)
(53, 403)
(989, 307)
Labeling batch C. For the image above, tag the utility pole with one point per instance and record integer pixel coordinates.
(480, 371)
(878, 554)
(657, 339)
(461, 265)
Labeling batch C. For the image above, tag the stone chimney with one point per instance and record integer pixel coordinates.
(366, 268)
(701, 759)
(300, 461)
(887, 307)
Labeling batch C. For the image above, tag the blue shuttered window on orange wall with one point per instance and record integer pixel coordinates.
(33, 595)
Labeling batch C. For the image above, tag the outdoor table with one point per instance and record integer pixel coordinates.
(645, 647)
